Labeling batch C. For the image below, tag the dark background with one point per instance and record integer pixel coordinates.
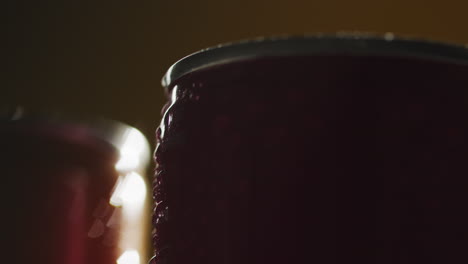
(106, 58)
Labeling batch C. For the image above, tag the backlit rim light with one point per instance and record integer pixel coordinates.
(129, 257)
(116, 199)
(130, 194)
(133, 190)
(130, 190)
(134, 151)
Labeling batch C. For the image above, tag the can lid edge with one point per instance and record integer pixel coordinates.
(341, 43)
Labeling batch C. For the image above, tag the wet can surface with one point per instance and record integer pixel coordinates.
(314, 150)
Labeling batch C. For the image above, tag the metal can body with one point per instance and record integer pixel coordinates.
(60, 181)
(328, 157)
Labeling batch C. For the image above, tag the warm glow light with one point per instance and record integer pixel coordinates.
(133, 191)
(129, 196)
(129, 191)
(133, 151)
(129, 257)
(116, 199)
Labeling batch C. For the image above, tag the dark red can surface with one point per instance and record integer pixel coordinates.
(315, 150)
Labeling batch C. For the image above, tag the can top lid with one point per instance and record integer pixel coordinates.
(347, 44)
(129, 141)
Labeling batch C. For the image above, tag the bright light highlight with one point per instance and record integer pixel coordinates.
(129, 191)
(133, 151)
(116, 199)
(129, 257)
(133, 190)
(128, 198)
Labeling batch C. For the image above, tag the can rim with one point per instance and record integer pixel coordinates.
(347, 44)
(109, 131)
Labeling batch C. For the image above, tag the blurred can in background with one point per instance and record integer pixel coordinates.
(73, 191)
(342, 149)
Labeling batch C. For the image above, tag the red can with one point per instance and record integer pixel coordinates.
(59, 191)
(315, 150)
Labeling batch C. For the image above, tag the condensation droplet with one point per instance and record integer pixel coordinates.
(152, 260)
(169, 119)
(197, 84)
(159, 134)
